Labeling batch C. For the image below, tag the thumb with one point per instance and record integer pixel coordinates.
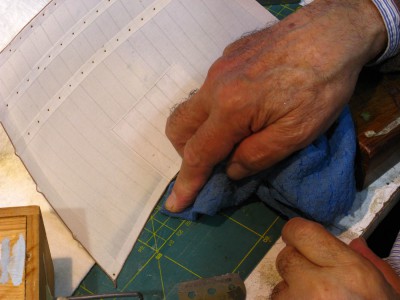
(360, 246)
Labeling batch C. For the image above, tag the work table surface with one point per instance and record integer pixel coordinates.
(72, 262)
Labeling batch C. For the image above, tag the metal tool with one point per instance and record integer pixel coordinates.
(226, 287)
(103, 296)
(277, 2)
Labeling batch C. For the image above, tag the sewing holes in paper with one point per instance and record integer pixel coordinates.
(97, 10)
(59, 97)
(105, 50)
(38, 121)
(141, 19)
(48, 109)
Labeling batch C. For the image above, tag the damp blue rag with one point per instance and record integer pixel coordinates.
(316, 182)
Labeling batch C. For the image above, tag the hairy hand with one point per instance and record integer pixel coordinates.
(273, 92)
(316, 265)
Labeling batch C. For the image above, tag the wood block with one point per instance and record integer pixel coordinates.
(26, 268)
(375, 107)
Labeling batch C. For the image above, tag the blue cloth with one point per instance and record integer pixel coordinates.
(316, 182)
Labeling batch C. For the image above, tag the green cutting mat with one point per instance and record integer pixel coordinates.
(280, 11)
(172, 250)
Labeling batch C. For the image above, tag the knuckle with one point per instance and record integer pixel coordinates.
(236, 45)
(174, 135)
(253, 158)
(229, 86)
(300, 229)
(226, 72)
(283, 261)
(286, 259)
(230, 48)
(298, 133)
(278, 289)
(175, 119)
(171, 133)
(361, 270)
(192, 157)
(218, 68)
(323, 287)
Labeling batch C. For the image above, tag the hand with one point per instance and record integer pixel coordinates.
(273, 92)
(316, 265)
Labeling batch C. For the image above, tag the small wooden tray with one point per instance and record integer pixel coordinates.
(28, 268)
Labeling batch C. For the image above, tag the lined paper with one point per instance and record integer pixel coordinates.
(86, 89)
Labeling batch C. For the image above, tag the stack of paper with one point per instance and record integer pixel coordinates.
(85, 91)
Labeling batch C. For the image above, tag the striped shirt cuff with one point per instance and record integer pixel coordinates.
(394, 257)
(391, 17)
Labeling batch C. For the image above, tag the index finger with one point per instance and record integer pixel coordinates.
(317, 244)
(210, 144)
(185, 119)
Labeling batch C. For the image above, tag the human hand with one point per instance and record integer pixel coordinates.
(316, 265)
(273, 92)
(359, 245)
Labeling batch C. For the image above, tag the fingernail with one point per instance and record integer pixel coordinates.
(237, 171)
(170, 202)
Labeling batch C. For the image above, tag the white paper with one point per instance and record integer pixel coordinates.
(85, 92)
(70, 260)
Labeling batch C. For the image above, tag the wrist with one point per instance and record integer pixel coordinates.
(390, 14)
(378, 37)
(361, 25)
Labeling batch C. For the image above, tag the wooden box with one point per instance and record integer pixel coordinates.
(26, 268)
(375, 106)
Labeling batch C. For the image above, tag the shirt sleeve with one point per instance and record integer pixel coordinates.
(394, 257)
(391, 17)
